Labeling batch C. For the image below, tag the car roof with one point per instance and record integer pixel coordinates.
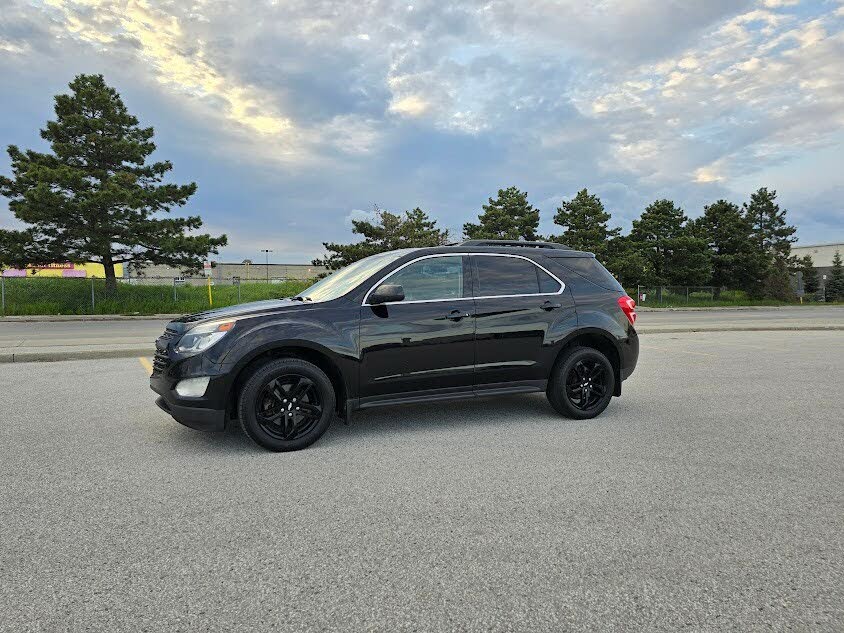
(527, 250)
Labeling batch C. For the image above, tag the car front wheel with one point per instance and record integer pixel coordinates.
(286, 405)
(581, 384)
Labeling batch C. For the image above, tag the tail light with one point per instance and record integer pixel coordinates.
(628, 306)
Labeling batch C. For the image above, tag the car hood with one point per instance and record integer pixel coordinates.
(253, 307)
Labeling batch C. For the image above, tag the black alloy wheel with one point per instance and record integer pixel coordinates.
(286, 404)
(581, 384)
(586, 384)
(288, 407)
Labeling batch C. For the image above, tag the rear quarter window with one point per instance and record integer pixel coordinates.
(592, 270)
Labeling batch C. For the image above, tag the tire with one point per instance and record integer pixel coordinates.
(584, 371)
(286, 405)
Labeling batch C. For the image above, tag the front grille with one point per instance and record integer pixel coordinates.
(161, 360)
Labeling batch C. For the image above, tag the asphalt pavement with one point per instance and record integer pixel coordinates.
(710, 496)
(43, 339)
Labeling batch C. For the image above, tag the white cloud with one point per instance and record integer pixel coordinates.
(381, 100)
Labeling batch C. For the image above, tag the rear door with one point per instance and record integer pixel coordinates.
(521, 312)
(424, 344)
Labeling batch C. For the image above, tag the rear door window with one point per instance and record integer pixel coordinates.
(511, 276)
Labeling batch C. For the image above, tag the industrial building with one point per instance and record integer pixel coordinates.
(224, 273)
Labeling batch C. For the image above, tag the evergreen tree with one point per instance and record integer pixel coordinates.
(95, 198)
(769, 229)
(508, 217)
(389, 232)
(772, 237)
(735, 262)
(672, 254)
(585, 221)
(835, 283)
(626, 262)
(811, 281)
(777, 283)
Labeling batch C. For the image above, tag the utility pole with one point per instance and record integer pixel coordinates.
(266, 252)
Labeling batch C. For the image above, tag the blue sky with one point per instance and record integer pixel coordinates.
(294, 117)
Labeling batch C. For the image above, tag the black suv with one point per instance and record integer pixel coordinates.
(416, 325)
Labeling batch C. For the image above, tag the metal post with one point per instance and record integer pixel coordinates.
(638, 293)
(174, 290)
(687, 294)
(3, 293)
(93, 303)
(266, 252)
(238, 293)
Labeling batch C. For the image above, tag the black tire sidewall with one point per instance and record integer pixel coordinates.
(557, 385)
(250, 391)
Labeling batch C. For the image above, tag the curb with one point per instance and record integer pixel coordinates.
(739, 328)
(54, 356)
(57, 318)
(146, 351)
(640, 308)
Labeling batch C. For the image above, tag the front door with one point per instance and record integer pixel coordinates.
(422, 346)
(519, 308)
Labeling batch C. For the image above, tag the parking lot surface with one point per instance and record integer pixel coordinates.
(710, 496)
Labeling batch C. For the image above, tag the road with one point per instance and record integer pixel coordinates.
(811, 316)
(133, 336)
(710, 496)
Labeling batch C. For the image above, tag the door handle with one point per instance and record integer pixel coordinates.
(549, 305)
(456, 315)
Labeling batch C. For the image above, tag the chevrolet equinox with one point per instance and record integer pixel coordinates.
(480, 318)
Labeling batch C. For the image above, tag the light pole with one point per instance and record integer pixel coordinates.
(266, 252)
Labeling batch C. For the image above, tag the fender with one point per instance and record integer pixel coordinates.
(278, 333)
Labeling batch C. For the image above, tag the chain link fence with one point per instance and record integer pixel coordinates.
(34, 295)
(687, 295)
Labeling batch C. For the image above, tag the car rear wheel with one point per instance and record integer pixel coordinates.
(286, 405)
(581, 384)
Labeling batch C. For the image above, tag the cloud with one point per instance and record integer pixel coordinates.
(294, 113)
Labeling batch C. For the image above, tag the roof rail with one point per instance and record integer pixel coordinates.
(519, 243)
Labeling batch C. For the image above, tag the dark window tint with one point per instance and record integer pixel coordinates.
(506, 276)
(591, 269)
(430, 279)
(546, 282)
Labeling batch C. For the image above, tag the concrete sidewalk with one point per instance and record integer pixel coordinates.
(28, 339)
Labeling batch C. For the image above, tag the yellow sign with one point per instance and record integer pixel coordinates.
(64, 269)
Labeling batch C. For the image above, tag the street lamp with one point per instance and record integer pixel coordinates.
(266, 252)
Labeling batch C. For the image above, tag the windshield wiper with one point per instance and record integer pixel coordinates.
(301, 298)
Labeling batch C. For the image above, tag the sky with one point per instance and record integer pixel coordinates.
(294, 117)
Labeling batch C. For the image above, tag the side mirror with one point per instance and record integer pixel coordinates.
(386, 293)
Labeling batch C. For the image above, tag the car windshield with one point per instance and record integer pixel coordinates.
(342, 281)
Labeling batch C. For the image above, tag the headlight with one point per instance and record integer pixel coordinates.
(202, 337)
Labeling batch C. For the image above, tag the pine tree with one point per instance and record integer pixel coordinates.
(835, 283)
(672, 254)
(95, 198)
(777, 283)
(769, 229)
(389, 232)
(811, 281)
(508, 217)
(736, 264)
(585, 221)
(626, 261)
(772, 237)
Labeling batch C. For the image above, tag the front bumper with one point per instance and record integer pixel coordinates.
(194, 417)
(196, 413)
